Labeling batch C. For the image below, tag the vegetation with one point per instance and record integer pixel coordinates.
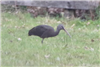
(18, 49)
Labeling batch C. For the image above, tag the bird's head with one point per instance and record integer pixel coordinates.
(61, 27)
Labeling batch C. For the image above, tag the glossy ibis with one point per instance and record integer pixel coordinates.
(45, 31)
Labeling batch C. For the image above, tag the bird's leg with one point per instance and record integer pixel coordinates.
(42, 41)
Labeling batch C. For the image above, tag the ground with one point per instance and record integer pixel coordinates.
(19, 49)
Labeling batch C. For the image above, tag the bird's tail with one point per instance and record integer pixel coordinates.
(29, 33)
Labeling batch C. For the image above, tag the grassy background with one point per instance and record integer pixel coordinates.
(18, 49)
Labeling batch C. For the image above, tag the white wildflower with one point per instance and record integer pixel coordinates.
(92, 49)
(19, 39)
(58, 58)
(47, 56)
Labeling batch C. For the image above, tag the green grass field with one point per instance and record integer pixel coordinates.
(19, 49)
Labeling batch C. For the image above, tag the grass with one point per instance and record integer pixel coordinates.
(18, 49)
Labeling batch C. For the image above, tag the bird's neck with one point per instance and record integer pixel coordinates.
(56, 32)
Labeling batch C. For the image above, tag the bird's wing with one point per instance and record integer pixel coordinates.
(45, 34)
(45, 27)
(39, 30)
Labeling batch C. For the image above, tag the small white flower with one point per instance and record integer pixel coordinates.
(58, 58)
(59, 22)
(98, 25)
(79, 28)
(88, 23)
(47, 56)
(92, 49)
(19, 39)
(15, 26)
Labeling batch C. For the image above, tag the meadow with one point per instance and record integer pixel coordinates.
(19, 49)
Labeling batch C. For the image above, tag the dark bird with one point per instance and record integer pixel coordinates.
(45, 31)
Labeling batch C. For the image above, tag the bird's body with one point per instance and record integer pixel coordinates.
(45, 31)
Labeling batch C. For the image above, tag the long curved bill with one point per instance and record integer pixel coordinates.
(67, 33)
